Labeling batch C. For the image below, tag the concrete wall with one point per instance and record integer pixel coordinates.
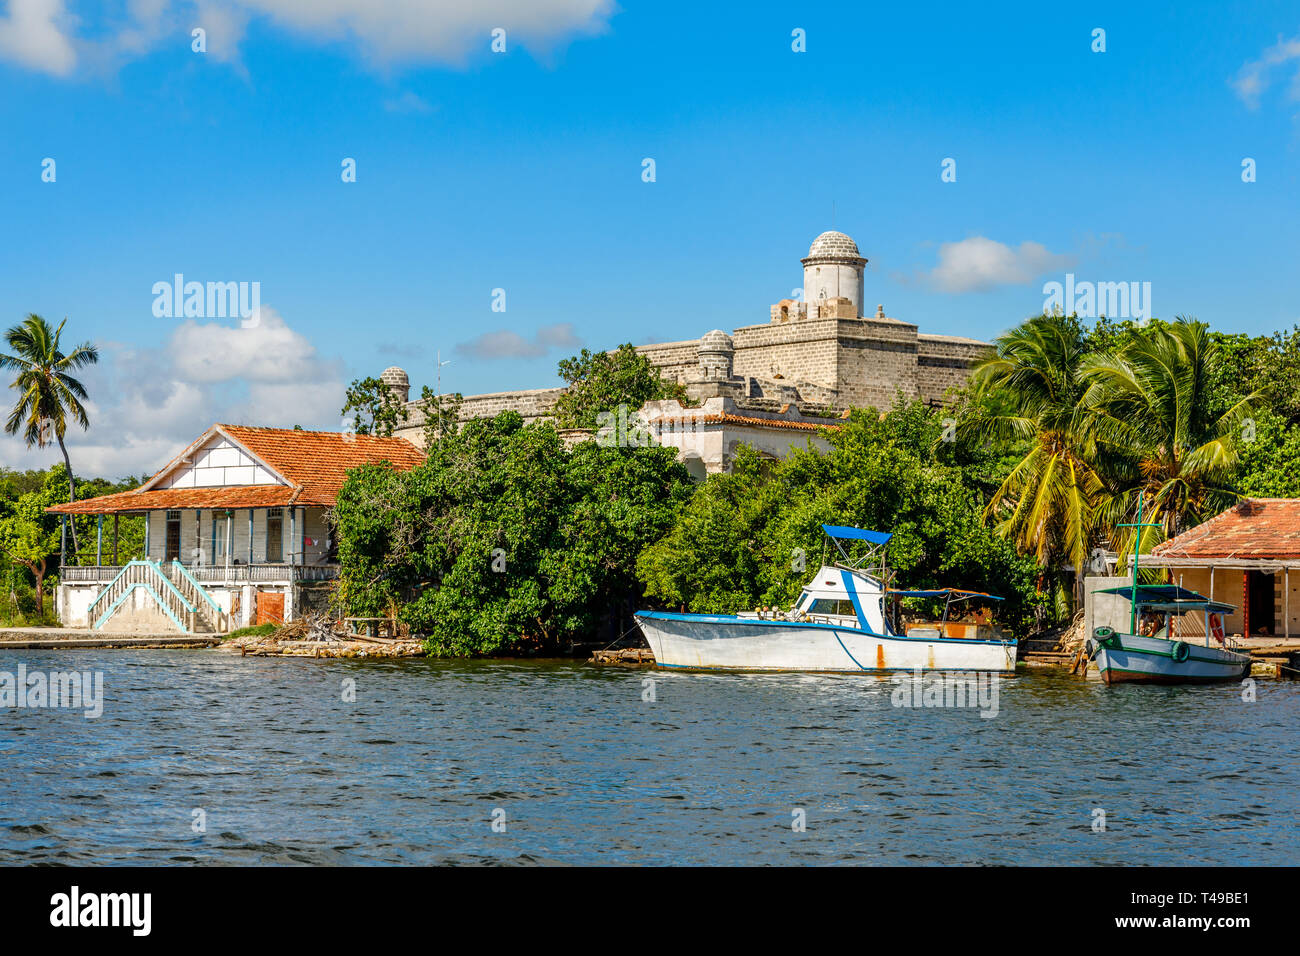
(1105, 610)
(141, 615)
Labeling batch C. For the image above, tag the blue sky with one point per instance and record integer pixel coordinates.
(522, 171)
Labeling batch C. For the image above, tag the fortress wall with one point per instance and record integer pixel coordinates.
(876, 361)
(531, 404)
(803, 351)
(944, 363)
(675, 360)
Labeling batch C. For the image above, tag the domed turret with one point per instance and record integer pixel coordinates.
(399, 384)
(716, 352)
(833, 270)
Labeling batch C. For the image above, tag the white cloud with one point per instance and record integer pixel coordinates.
(33, 35)
(42, 35)
(979, 263)
(448, 32)
(148, 404)
(268, 351)
(504, 344)
(1253, 78)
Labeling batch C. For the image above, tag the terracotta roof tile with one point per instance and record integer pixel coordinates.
(313, 463)
(231, 496)
(1264, 528)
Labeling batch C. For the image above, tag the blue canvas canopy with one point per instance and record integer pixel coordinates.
(1168, 597)
(955, 593)
(856, 534)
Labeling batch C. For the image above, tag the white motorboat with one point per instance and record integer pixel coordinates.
(839, 624)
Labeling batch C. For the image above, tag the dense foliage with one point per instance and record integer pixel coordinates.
(597, 382)
(503, 539)
(752, 537)
(1106, 416)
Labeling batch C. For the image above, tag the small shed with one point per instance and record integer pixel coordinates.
(1243, 556)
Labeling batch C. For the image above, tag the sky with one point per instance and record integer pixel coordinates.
(631, 172)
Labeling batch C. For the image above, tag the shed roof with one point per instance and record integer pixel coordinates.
(1264, 529)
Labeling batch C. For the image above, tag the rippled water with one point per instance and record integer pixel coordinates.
(586, 771)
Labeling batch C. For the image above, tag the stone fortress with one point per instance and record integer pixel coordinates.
(816, 357)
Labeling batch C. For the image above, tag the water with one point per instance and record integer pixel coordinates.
(587, 772)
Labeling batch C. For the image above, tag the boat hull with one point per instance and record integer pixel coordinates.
(724, 642)
(1153, 660)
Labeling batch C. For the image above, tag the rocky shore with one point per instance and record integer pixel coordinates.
(274, 646)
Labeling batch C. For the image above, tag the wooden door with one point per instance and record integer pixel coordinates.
(270, 607)
(173, 542)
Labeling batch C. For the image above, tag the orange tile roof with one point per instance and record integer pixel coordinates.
(313, 465)
(1261, 528)
(229, 496)
(318, 461)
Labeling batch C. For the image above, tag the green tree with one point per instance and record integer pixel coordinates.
(753, 537)
(600, 382)
(48, 394)
(375, 409)
(441, 416)
(503, 540)
(29, 537)
(1030, 390)
(1153, 416)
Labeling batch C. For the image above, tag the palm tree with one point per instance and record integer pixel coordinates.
(48, 394)
(1029, 390)
(1150, 408)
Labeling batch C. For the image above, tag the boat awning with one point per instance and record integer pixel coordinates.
(856, 534)
(953, 593)
(1169, 597)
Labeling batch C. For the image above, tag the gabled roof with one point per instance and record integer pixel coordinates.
(311, 466)
(1254, 528)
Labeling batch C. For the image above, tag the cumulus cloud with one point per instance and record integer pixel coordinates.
(43, 35)
(504, 344)
(979, 263)
(34, 34)
(1255, 76)
(148, 404)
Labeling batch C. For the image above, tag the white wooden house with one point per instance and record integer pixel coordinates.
(236, 533)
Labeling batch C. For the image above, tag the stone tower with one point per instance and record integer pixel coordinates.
(833, 270)
(397, 382)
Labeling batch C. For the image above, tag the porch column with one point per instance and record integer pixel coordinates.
(115, 517)
(99, 540)
(293, 531)
(250, 539)
(198, 535)
(63, 539)
(1286, 602)
(146, 536)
